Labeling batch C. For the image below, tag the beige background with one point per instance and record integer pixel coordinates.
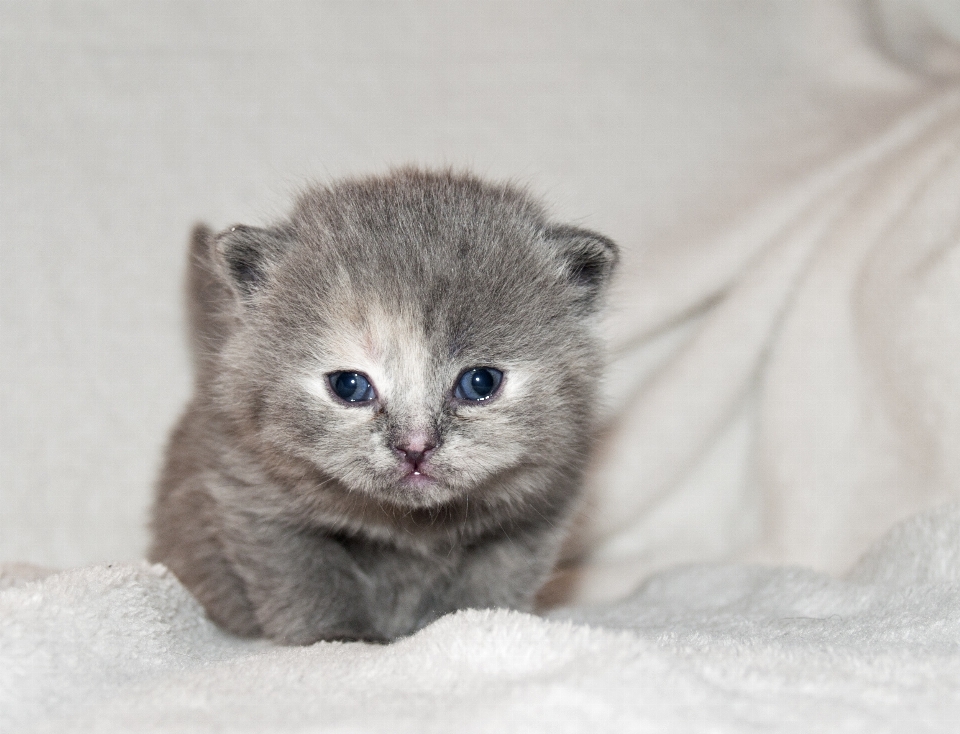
(661, 124)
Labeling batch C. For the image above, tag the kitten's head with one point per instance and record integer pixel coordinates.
(419, 338)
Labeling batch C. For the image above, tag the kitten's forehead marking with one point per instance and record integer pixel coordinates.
(405, 359)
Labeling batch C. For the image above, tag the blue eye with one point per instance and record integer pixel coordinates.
(478, 383)
(351, 386)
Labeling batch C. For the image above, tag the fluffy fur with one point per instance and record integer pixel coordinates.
(288, 512)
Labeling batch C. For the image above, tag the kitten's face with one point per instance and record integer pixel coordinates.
(419, 426)
(418, 355)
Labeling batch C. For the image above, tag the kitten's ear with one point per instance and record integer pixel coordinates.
(245, 256)
(588, 259)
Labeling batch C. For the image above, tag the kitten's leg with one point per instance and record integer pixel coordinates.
(504, 572)
(188, 540)
(303, 585)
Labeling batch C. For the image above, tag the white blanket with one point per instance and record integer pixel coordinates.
(734, 648)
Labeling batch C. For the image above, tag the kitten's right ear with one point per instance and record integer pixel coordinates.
(247, 254)
(588, 260)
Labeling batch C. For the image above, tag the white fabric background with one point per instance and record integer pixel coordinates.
(669, 126)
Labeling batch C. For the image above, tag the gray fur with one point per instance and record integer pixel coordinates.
(281, 508)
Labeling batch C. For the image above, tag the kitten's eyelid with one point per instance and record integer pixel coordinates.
(352, 388)
(478, 384)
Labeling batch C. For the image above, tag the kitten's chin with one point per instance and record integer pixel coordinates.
(419, 490)
(418, 481)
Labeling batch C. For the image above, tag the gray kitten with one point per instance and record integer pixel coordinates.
(393, 407)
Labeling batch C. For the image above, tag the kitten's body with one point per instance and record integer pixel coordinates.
(294, 514)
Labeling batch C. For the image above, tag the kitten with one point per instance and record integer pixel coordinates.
(393, 406)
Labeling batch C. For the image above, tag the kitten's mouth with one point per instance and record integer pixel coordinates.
(417, 478)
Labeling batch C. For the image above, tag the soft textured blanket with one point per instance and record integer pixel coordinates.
(733, 648)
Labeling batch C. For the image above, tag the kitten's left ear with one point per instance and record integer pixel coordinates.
(246, 255)
(588, 259)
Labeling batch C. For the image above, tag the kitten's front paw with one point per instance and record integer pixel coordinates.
(288, 627)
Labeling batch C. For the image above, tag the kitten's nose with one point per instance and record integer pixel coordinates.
(415, 448)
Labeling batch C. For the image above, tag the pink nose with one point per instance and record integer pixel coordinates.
(415, 448)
